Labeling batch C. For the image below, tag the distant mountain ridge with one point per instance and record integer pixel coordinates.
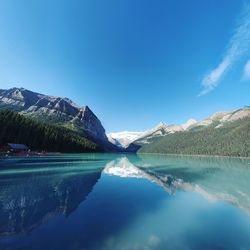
(55, 110)
(123, 139)
(216, 120)
(224, 133)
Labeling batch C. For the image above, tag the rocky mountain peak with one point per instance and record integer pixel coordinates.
(189, 123)
(88, 110)
(56, 110)
(161, 125)
(18, 99)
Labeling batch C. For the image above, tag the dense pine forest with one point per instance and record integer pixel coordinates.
(233, 139)
(16, 128)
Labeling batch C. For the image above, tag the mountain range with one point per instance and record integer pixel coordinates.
(146, 141)
(218, 119)
(231, 128)
(124, 139)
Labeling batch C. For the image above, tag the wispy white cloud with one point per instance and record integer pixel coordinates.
(246, 71)
(238, 46)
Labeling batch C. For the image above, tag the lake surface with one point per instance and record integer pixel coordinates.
(124, 202)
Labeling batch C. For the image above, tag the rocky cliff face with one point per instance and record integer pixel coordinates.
(222, 118)
(56, 110)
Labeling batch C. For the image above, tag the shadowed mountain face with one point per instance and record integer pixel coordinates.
(29, 199)
(55, 110)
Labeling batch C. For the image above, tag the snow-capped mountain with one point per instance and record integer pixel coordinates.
(123, 139)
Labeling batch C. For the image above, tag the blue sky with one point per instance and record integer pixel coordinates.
(134, 62)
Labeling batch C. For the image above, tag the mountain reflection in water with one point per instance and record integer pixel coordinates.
(31, 198)
(215, 178)
(88, 201)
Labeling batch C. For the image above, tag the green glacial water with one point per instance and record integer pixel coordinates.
(124, 202)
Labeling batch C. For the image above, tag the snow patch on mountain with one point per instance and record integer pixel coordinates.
(123, 139)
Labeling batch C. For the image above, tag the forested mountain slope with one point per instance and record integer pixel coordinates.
(233, 139)
(36, 135)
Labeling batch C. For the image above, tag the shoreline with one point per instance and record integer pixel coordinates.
(224, 156)
(130, 153)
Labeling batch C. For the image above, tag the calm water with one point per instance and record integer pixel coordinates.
(104, 201)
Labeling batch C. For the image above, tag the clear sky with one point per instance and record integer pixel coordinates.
(134, 62)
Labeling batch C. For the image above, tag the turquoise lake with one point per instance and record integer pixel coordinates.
(124, 202)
